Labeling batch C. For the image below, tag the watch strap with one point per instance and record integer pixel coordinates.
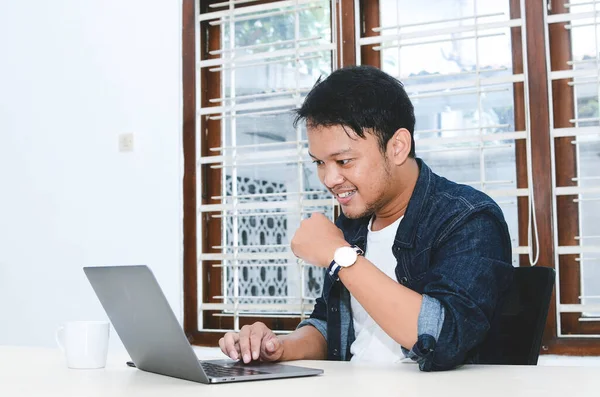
(334, 268)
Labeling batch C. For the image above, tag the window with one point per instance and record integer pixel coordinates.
(506, 100)
(573, 33)
(456, 62)
(257, 181)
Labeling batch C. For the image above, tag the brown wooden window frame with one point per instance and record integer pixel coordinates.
(541, 158)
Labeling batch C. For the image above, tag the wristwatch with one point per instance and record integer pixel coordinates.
(343, 257)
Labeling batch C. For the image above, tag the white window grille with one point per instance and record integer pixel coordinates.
(456, 62)
(582, 19)
(271, 55)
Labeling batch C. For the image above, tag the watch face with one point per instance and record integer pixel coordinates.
(345, 256)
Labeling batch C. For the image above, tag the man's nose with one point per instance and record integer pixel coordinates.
(332, 177)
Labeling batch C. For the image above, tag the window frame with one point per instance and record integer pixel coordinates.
(567, 211)
(211, 279)
(369, 17)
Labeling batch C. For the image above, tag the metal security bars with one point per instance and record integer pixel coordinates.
(456, 62)
(574, 73)
(265, 59)
(506, 95)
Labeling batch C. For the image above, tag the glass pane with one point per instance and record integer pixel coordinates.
(266, 175)
(586, 92)
(460, 80)
(258, 281)
(585, 34)
(589, 218)
(275, 190)
(303, 31)
(446, 13)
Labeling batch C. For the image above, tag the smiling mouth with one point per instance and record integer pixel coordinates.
(346, 194)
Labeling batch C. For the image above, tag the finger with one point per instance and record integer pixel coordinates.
(231, 345)
(224, 349)
(244, 342)
(222, 345)
(256, 337)
(272, 345)
(231, 341)
(272, 348)
(317, 215)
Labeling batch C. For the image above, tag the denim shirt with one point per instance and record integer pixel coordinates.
(453, 247)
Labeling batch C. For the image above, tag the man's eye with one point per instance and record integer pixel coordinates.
(344, 162)
(318, 162)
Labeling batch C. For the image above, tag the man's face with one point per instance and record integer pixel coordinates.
(352, 168)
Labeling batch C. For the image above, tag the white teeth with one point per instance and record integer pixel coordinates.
(346, 194)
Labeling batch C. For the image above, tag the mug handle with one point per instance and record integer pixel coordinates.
(60, 337)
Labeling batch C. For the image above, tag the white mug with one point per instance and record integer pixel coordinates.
(85, 343)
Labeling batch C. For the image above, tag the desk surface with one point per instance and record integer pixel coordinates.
(37, 371)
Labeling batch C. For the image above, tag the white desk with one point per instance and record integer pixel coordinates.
(42, 372)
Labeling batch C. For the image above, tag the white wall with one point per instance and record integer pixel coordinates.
(73, 75)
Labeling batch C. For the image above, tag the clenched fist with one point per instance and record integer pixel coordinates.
(316, 240)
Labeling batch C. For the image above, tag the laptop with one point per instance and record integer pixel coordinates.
(149, 330)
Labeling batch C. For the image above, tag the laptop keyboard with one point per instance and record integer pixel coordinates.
(220, 371)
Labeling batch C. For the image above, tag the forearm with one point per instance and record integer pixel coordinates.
(392, 306)
(305, 343)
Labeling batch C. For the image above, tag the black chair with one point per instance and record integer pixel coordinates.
(515, 337)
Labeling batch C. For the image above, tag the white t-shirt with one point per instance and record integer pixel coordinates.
(372, 344)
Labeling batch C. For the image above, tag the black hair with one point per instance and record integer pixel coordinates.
(360, 97)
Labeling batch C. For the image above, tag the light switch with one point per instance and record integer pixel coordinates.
(126, 142)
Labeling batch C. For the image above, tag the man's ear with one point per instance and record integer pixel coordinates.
(399, 146)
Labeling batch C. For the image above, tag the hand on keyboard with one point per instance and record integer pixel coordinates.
(253, 342)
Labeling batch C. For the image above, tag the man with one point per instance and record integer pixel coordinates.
(437, 254)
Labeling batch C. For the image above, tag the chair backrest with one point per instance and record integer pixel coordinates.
(515, 337)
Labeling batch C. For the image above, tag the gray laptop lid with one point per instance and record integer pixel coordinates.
(149, 330)
(144, 321)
